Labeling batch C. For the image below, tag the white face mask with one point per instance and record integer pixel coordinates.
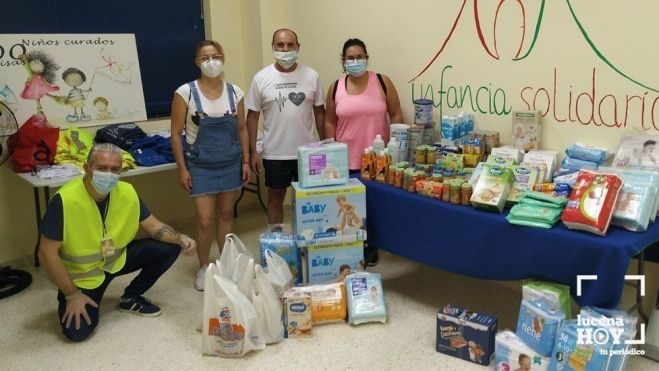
(211, 68)
(286, 59)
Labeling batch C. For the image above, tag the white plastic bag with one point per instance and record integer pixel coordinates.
(279, 274)
(268, 307)
(230, 323)
(233, 247)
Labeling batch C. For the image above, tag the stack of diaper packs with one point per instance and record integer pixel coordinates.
(329, 223)
(595, 341)
(322, 163)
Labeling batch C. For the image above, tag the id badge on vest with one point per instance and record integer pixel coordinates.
(107, 247)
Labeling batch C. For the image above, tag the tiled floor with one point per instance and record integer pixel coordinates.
(31, 338)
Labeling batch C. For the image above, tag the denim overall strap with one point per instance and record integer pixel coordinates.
(197, 101)
(231, 93)
(195, 96)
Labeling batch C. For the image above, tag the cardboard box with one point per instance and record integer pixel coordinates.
(336, 208)
(465, 334)
(492, 188)
(323, 257)
(322, 163)
(547, 157)
(524, 179)
(526, 130)
(297, 313)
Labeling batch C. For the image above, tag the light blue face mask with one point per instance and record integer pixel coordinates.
(355, 67)
(286, 59)
(103, 182)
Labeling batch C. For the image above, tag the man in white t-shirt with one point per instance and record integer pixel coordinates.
(292, 100)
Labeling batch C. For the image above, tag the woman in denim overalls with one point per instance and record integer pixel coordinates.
(214, 162)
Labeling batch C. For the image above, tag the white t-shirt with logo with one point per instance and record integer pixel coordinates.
(214, 108)
(286, 100)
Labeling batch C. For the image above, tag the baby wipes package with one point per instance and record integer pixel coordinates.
(284, 245)
(365, 298)
(465, 334)
(322, 163)
(511, 353)
(335, 208)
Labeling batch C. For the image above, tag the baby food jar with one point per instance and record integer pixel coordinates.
(454, 191)
(398, 177)
(446, 190)
(420, 154)
(431, 155)
(465, 194)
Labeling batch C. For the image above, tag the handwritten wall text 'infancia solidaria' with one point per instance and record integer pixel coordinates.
(561, 101)
(10, 53)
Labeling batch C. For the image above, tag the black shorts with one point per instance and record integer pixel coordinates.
(280, 173)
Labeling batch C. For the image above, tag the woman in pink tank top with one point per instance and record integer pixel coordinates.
(360, 104)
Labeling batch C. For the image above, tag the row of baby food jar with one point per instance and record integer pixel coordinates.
(428, 180)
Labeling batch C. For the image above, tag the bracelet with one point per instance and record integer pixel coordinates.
(69, 297)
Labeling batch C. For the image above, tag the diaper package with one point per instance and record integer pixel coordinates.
(571, 355)
(328, 302)
(322, 163)
(465, 334)
(365, 298)
(537, 324)
(335, 208)
(592, 201)
(327, 258)
(511, 353)
(284, 245)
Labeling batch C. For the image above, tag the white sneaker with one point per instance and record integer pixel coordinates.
(199, 280)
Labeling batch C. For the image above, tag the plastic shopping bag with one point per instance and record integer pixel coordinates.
(230, 323)
(233, 247)
(279, 274)
(268, 307)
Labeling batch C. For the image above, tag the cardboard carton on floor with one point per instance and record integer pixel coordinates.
(465, 334)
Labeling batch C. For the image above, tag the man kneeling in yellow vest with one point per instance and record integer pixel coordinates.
(87, 239)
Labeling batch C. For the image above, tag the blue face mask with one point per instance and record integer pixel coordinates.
(355, 67)
(286, 59)
(103, 182)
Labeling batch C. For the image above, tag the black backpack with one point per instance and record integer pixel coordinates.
(336, 83)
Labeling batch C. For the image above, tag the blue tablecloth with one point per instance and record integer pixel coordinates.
(484, 245)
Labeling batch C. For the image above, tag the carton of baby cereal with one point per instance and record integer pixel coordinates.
(492, 188)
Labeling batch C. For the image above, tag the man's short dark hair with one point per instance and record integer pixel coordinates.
(649, 142)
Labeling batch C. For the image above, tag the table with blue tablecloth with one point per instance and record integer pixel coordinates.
(484, 245)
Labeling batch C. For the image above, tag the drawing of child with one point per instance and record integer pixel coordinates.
(350, 217)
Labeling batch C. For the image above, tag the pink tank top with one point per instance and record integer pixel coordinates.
(361, 118)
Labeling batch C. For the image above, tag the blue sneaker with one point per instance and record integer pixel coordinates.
(139, 305)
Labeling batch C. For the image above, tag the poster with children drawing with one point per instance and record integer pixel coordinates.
(72, 79)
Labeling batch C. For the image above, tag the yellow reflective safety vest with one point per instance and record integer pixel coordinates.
(83, 231)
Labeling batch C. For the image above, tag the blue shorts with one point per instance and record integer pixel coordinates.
(280, 173)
